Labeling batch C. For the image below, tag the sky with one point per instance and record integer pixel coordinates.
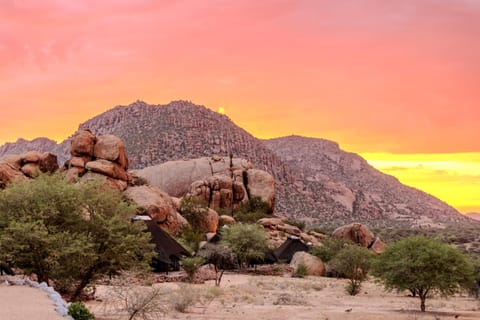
(396, 81)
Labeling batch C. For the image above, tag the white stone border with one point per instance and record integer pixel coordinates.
(60, 305)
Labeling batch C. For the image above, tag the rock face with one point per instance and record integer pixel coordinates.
(315, 266)
(215, 180)
(156, 204)
(360, 234)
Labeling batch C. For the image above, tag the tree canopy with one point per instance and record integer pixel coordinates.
(424, 265)
(70, 234)
(247, 241)
(353, 262)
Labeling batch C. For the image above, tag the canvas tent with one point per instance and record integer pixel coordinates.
(169, 251)
(285, 252)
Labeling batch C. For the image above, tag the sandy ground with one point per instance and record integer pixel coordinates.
(266, 297)
(23, 303)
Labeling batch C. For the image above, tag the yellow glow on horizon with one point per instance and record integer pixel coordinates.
(451, 177)
(221, 110)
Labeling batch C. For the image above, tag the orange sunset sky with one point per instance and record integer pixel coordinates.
(397, 81)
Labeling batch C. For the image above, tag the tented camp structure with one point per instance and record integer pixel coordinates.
(285, 252)
(168, 251)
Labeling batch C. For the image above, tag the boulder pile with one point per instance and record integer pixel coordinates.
(27, 165)
(100, 157)
(222, 182)
(360, 234)
(278, 231)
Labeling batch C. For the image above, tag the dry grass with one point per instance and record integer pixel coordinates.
(243, 296)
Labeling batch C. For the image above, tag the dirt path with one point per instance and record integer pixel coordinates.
(262, 297)
(24, 303)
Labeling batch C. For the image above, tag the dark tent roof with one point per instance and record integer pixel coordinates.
(285, 252)
(165, 245)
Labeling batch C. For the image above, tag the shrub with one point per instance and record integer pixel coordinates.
(330, 248)
(299, 224)
(194, 211)
(247, 241)
(252, 211)
(221, 257)
(190, 237)
(301, 271)
(353, 262)
(78, 311)
(191, 265)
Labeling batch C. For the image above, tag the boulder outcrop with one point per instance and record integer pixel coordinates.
(222, 182)
(27, 165)
(156, 204)
(315, 266)
(360, 234)
(100, 157)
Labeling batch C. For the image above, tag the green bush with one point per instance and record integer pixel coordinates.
(190, 238)
(247, 241)
(299, 224)
(194, 211)
(78, 311)
(330, 248)
(301, 271)
(191, 265)
(353, 262)
(252, 211)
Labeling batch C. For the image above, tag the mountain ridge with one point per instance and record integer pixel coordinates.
(335, 186)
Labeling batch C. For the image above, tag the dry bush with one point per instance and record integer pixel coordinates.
(137, 302)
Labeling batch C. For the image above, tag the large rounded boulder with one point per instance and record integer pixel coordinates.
(315, 266)
(156, 204)
(261, 184)
(360, 234)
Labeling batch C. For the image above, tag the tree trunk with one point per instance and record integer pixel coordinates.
(83, 283)
(422, 304)
(218, 277)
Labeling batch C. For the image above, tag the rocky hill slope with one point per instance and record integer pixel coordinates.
(356, 188)
(22, 145)
(315, 180)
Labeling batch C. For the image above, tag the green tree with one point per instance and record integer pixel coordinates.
(425, 266)
(220, 256)
(353, 262)
(70, 234)
(194, 210)
(247, 241)
(329, 248)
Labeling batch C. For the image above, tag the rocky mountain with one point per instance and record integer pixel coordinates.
(473, 215)
(22, 145)
(315, 180)
(348, 187)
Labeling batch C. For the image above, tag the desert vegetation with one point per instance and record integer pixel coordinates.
(68, 235)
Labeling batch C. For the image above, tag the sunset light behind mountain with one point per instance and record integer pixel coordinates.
(395, 81)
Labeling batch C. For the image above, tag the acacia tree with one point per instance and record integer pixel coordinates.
(70, 234)
(247, 242)
(220, 256)
(353, 262)
(424, 265)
